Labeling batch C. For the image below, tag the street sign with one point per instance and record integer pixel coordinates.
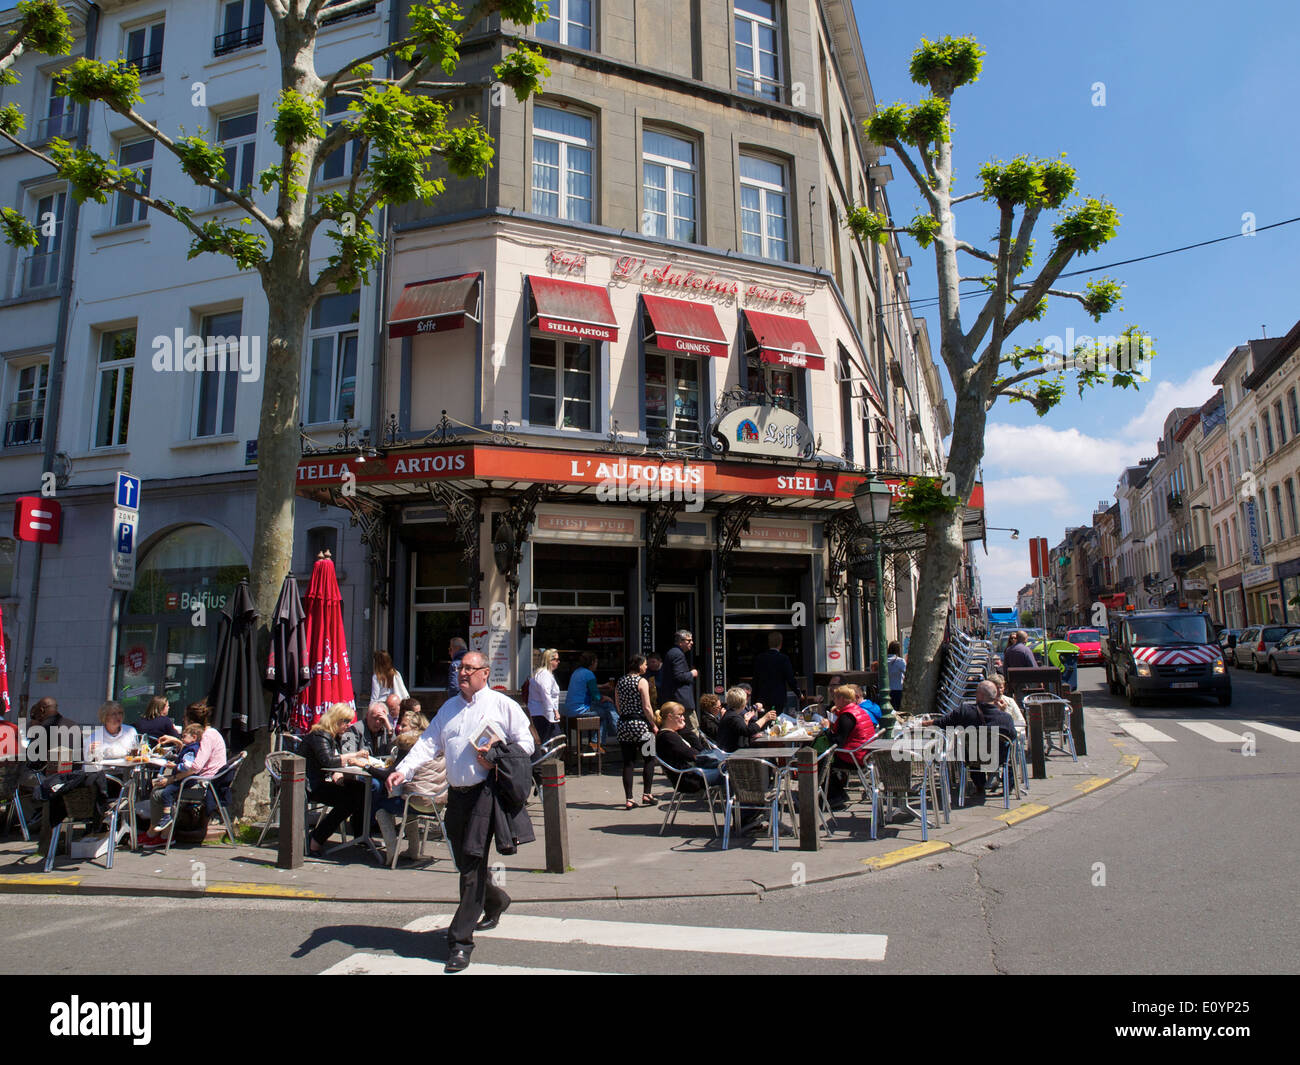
(1038, 556)
(37, 520)
(128, 491)
(126, 523)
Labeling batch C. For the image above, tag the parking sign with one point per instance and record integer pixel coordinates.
(125, 524)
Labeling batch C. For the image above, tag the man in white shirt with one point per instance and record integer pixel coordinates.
(456, 731)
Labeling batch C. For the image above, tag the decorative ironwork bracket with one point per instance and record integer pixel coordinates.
(374, 522)
(512, 534)
(732, 521)
(841, 531)
(659, 519)
(464, 510)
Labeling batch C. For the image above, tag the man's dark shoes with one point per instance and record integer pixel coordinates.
(490, 921)
(457, 961)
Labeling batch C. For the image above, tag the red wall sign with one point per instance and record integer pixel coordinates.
(38, 520)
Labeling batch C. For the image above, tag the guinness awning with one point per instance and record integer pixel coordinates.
(571, 309)
(435, 306)
(785, 341)
(680, 325)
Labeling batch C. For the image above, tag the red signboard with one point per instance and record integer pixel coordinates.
(1038, 556)
(37, 520)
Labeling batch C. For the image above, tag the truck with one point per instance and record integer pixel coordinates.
(1149, 653)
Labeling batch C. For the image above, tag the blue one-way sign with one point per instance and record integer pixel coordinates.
(128, 491)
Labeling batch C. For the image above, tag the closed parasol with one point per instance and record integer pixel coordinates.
(236, 693)
(327, 649)
(287, 668)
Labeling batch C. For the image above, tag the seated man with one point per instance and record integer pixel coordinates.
(372, 734)
(984, 712)
(739, 723)
(584, 699)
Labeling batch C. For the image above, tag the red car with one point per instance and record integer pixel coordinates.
(1089, 644)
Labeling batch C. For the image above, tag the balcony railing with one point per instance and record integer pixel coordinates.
(1175, 500)
(245, 37)
(1199, 557)
(64, 125)
(147, 64)
(24, 423)
(41, 271)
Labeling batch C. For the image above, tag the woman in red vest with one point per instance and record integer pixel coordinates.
(852, 728)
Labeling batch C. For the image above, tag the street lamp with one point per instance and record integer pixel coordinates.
(872, 500)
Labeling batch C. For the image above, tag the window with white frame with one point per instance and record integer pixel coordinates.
(1291, 506)
(559, 382)
(758, 61)
(672, 398)
(763, 208)
(144, 47)
(1277, 512)
(1294, 409)
(138, 155)
(113, 387)
(568, 22)
(563, 157)
(332, 358)
(667, 186)
(1280, 422)
(338, 164)
(242, 22)
(60, 113)
(43, 262)
(25, 414)
(214, 396)
(237, 135)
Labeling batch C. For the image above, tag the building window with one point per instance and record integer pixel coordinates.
(113, 386)
(1262, 505)
(763, 210)
(242, 22)
(322, 538)
(1277, 512)
(758, 64)
(237, 135)
(43, 262)
(1236, 538)
(332, 358)
(214, 398)
(1254, 444)
(667, 187)
(144, 48)
(778, 385)
(672, 398)
(1268, 432)
(833, 235)
(1280, 422)
(1236, 458)
(25, 417)
(1291, 507)
(846, 404)
(559, 383)
(563, 153)
(60, 114)
(1218, 544)
(338, 163)
(139, 156)
(568, 22)
(1295, 412)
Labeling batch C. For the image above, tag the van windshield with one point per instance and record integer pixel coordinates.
(1163, 631)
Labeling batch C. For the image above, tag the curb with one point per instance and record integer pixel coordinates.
(50, 884)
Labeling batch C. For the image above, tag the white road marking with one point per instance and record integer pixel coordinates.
(1288, 734)
(391, 965)
(1211, 732)
(703, 940)
(1144, 733)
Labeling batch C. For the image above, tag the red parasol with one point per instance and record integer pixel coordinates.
(327, 649)
(4, 672)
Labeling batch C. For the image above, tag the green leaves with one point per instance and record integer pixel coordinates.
(523, 71)
(1088, 226)
(468, 150)
(45, 27)
(924, 228)
(201, 161)
(17, 230)
(947, 63)
(89, 175)
(247, 250)
(117, 84)
(1026, 182)
(923, 499)
(867, 224)
(432, 22)
(920, 125)
(12, 120)
(297, 118)
(1102, 297)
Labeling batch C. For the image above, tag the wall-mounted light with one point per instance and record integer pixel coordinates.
(528, 616)
(827, 607)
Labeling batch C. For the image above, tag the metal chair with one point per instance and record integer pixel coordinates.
(79, 806)
(214, 788)
(756, 784)
(894, 780)
(10, 772)
(1008, 770)
(1056, 721)
(679, 776)
(421, 824)
(864, 771)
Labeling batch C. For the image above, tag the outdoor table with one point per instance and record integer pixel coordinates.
(127, 774)
(359, 773)
(782, 741)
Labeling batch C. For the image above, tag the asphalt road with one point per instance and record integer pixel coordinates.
(1186, 866)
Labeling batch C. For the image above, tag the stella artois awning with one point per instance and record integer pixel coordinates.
(570, 309)
(435, 306)
(680, 325)
(785, 341)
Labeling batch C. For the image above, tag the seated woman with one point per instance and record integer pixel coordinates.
(1007, 703)
(852, 728)
(113, 739)
(208, 762)
(427, 787)
(157, 721)
(680, 748)
(322, 749)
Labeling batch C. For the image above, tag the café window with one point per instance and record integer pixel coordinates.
(581, 607)
(672, 398)
(439, 612)
(560, 382)
(777, 385)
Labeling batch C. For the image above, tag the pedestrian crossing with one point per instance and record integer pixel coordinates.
(1215, 732)
(558, 931)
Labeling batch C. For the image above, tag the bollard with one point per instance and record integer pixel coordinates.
(293, 812)
(1076, 724)
(805, 761)
(555, 815)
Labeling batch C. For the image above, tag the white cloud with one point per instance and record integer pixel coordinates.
(1148, 426)
(1015, 446)
(1002, 495)
(1003, 572)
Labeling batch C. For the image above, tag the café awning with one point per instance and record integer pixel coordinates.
(680, 325)
(785, 341)
(435, 306)
(572, 309)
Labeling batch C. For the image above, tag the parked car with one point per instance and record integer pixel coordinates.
(1285, 656)
(1089, 643)
(1255, 643)
(1227, 641)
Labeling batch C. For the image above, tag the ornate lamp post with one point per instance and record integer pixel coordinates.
(872, 499)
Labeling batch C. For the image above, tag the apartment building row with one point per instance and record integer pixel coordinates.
(623, 385)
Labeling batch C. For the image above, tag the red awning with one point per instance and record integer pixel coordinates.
(571, 309)
(680, 325)
(435, 306)
(785, 341)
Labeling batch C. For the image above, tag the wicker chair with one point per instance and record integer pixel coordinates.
(756, 784)
(79, 806)
(10, 773)
(696, 784)
(895, 778)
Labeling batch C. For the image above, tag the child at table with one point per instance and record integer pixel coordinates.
(191, 736)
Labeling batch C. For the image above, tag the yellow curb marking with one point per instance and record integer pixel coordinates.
(906, 854)
(1023, 813)
(1091, 784)
(267, 890)
(40, 879)
(1131, 760)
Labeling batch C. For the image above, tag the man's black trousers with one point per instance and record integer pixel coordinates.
(478, 895)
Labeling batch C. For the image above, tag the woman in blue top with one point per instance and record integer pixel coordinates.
(897, 671)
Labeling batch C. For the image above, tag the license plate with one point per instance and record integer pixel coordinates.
(1185, 684)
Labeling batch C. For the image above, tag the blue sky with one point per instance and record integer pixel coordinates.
(1197, 129)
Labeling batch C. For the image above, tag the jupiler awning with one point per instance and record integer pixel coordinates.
(785, 341)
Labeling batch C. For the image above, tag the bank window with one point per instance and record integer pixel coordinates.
(138, 155)
(113, 399)
(672, 399)
(25, 417)
(758, 62)
(763, 208)
(237, 135)
(559, 383)
(144, 48)
(568, 22)
(332, 358)
(214, 399)
(667, 186)
(563, 154)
